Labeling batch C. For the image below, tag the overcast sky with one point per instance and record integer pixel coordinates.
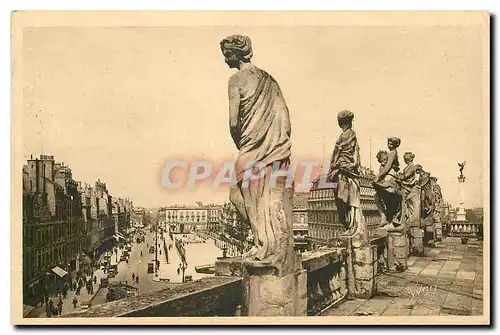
(116, 103)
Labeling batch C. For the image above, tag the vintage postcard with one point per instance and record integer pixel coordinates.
(250, 168)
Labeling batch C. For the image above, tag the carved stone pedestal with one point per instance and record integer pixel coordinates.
(267, 291)
(408, 242)
(429, 234)
(438, 231)
(417, 241)
(397, 250)
(364, 271)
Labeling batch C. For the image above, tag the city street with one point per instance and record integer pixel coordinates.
(138, 265)
(196, 254)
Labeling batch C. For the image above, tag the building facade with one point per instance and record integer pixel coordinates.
(63, 223)
(214, 217)
(300, 221)
(186, 219)
(324, 224)
(54, 230)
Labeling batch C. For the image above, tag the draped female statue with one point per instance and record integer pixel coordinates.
(411, 191)
(387, 185)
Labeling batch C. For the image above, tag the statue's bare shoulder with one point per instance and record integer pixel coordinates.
(246, 80)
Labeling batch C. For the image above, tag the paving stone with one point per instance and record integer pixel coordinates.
(425, 310)
(458, 304)
(466, 275)
(346, 308)
(451, 265)
(396, 311)
(374, 306)
(447, 274)
(436, 297)
(402, 302)
(414, 269)
(477, 307)
(429, 272)
(421, 262)
(411, 261)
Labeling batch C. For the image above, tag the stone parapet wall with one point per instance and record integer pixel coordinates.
(209, 296)
(326, 278)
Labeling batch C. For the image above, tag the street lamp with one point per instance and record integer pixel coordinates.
(183, 266)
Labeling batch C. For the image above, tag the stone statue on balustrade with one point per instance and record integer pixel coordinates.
(260, 127)
(437, 198)
(387, 186)
(411, 192)
(345, 174)
(426, 191)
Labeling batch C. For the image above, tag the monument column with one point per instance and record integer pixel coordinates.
(461, 205)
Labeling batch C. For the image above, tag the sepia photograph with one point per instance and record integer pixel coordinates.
(260, 167)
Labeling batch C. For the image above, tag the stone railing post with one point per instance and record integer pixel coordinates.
(362, 266)
(414, 226)
(438, 229)
(429, 231)
(266, 291)
(398, 250)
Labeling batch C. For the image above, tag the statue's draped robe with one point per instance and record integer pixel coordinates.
(411, 196)
(265, 139)
(427, 194)
(437, 198)
(345, 165)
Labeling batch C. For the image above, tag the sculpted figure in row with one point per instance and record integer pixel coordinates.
(345, 173)
(259, 124)
(411, 191)
(387, 185)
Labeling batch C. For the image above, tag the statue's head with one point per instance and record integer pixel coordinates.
(236, 49)
(393, 143)
(418, 168)
(345, 118)
(382, 157)
(408, 157)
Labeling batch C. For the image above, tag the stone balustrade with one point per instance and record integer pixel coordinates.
(209, 296)
(464, 229)
(324, 280)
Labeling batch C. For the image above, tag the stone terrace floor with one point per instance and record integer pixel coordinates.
(447, 281)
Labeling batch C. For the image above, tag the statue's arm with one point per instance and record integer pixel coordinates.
(387, 167)
(234, 107)
(408, 173)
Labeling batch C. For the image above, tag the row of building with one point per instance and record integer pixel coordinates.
(67, 225)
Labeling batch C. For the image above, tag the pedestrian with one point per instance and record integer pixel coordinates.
(95, 279)
(75, 302)
(60, 306)
(133, 276)
(137, 279)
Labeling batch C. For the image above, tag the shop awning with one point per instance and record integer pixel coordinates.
(119, 236)
(60, 272)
